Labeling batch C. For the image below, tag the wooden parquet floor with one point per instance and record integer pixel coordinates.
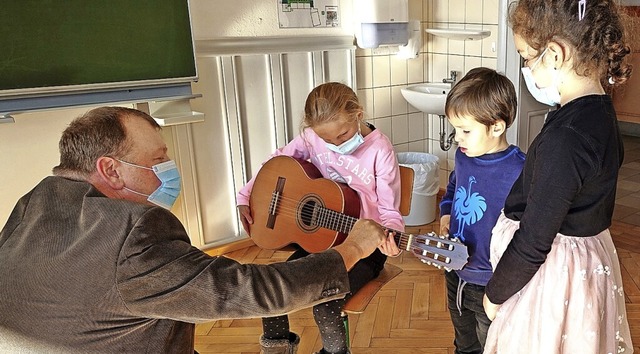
(408, 316)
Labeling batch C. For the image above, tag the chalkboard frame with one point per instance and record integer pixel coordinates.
(81, 52)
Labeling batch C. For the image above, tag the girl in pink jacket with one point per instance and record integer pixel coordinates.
(346, 149)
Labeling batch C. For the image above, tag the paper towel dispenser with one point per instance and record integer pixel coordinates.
(381, 22)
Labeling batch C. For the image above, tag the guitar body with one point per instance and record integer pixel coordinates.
(286, 195)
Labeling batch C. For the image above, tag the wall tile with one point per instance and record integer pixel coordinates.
(440, 11)
(427, 10)
(456, 63)
(382, 102)
(489, 43)
(416, 146)
(457, 10)
(430, 128)
(400, 129)
(364, 72)
(415, 69)
(439, 68)
(474, 11)
(490, 13)
(401, 147)
(416, 126)
(490, 63)
(365, 96)
(415, 10)
(399, 72)
(382, 71)
(384, 124)
(470, 63)
(474, 47)
(438, 44)
(456, 47)
(398, 104)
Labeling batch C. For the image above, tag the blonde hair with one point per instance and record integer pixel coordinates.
(328, 102)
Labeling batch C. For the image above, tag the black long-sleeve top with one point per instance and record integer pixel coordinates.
(567, 186)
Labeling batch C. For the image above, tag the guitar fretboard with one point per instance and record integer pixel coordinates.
(333, 220)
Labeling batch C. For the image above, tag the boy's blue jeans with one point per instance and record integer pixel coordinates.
(470, 322)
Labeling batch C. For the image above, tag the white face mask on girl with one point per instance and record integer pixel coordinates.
(349, 146)
(547, 95)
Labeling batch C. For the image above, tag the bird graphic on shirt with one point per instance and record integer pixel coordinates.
(469, 207)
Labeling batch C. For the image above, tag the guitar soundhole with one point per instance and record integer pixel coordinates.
(308, 213)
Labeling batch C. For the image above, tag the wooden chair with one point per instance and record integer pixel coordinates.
(359, 301)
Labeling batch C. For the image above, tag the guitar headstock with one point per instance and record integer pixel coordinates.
(439, 251)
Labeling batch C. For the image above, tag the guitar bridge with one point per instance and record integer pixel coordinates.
(275, 202)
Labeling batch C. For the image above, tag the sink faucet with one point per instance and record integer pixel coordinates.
(451, 80)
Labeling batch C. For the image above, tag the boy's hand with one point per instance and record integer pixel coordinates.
(245, 217)
(445, 220)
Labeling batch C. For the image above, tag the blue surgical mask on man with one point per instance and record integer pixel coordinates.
(167, 193)
(349, 146)
(548, 95)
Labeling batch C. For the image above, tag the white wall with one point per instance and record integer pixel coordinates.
(28, 152)
(252, 18)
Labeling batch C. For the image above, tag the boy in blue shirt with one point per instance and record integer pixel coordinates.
(481, 106)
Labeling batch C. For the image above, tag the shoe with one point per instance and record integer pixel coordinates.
(322, 351)
(280, 346)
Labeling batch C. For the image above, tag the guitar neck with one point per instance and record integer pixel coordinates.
(336, 221)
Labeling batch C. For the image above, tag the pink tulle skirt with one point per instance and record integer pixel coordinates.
(574, 304)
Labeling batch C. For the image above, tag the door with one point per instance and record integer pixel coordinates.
(531, 113)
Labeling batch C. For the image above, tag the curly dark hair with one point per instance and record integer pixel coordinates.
(599, 39)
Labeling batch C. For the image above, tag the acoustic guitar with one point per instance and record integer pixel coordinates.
(292, 203)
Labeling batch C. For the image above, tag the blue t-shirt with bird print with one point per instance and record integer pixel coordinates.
(475, 195)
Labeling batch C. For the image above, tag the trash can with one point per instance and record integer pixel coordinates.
(425, 186)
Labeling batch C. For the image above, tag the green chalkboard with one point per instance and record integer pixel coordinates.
(73, 43)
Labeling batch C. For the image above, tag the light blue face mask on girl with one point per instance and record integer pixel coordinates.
(548, 95)
(349, 146)
(167, 193)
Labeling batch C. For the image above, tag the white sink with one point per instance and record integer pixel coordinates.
(428, 97)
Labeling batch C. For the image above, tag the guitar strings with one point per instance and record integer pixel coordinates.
(337, 221)
(328, 218)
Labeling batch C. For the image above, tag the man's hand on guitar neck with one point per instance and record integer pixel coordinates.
(365, 236)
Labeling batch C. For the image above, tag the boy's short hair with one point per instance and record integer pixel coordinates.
(485, 95)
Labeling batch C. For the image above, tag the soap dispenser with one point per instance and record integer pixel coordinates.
(381, 22)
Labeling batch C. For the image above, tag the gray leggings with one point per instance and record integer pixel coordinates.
(328, 315)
